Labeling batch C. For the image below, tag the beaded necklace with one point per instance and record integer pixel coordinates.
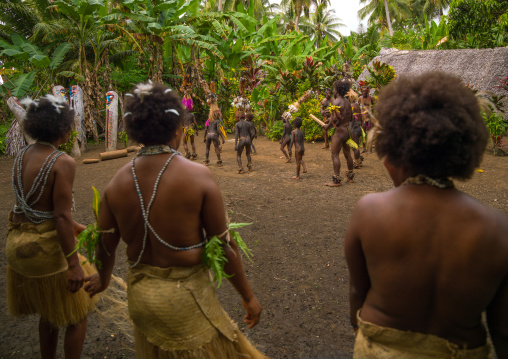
(146, 212)
(442, 183)
(46, 144)
(22, 202)
(154, 150)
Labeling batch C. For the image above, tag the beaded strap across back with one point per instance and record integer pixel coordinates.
(24, 205)
(146, 212)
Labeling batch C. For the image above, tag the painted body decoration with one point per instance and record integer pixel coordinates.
(111, 120)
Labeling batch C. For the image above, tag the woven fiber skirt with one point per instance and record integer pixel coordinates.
(176, 314)
(36, 276)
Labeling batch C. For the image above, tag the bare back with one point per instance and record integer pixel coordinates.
(58, 185)
(344, 114)
(244, 129)
(188, 200)
(434, 258)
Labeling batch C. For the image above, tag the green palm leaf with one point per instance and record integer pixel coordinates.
(23, 83)
(40, 61)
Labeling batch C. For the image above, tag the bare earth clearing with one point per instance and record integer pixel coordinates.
(299, 272)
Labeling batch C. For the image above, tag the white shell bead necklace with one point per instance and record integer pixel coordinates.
(38, 185)
(146, 212)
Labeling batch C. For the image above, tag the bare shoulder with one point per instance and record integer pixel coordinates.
(493, 220)
(193, 171)
(373, 201)
(65, 163)
(121, 178)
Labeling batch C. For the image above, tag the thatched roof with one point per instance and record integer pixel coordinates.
(479, 67)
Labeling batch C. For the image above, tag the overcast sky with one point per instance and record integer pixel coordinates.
(347, 11)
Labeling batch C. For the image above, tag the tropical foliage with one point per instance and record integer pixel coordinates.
(280, 51)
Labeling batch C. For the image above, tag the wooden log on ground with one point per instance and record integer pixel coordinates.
(317, 119)
(91, 160)
(132, 148)
(112, 154)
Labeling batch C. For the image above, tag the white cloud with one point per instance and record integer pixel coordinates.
(347, 11)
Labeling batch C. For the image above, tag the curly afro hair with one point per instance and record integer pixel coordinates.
(153, 113)
(342, 87)
(297, 122)
(48, 118)
(249, 116)
(431, 125)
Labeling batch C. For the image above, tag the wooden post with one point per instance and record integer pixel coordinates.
(79, 117)
(16, 138)
(111, 120)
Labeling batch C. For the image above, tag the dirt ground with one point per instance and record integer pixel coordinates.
(297, 237)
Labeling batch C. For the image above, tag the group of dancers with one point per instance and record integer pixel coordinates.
(341, 109)
(422, 271)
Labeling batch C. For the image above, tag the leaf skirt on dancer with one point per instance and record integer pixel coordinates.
(176, 314)
(36, 276)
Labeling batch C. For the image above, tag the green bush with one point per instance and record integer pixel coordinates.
(497, 127)
(67, 146)
(124, 138)
(312, 129)
(3, 131)
(275, 132)
(229, 119)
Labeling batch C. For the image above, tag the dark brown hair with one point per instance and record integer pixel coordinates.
(431, 125)
(153, 114)
(48, 120)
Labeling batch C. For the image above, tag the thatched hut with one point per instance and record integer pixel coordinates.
(481, 68)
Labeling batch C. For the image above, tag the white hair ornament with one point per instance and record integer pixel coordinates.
(172, 110)
(57, 102)
(143, 90)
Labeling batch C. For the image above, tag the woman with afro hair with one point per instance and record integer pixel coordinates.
(44, 274)
(431, 258)
(162, 205)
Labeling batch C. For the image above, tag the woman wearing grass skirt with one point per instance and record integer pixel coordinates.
(431, 259)
(161, 204)
(41, 277)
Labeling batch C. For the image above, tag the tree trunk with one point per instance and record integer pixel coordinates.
(296, 22)
(220, 6)
(388, 18)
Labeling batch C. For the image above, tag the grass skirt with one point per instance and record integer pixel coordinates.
(176, 314)
(35, 284)
(219, 347)
(377, 342)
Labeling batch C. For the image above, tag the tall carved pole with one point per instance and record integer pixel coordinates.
(111, 120)
(15, 139)
(79, 120)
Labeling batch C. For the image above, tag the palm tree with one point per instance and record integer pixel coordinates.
(261, 7)
(435, 7)
(380, 11)
(31, 19)
(325, 24)
(300, 6)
